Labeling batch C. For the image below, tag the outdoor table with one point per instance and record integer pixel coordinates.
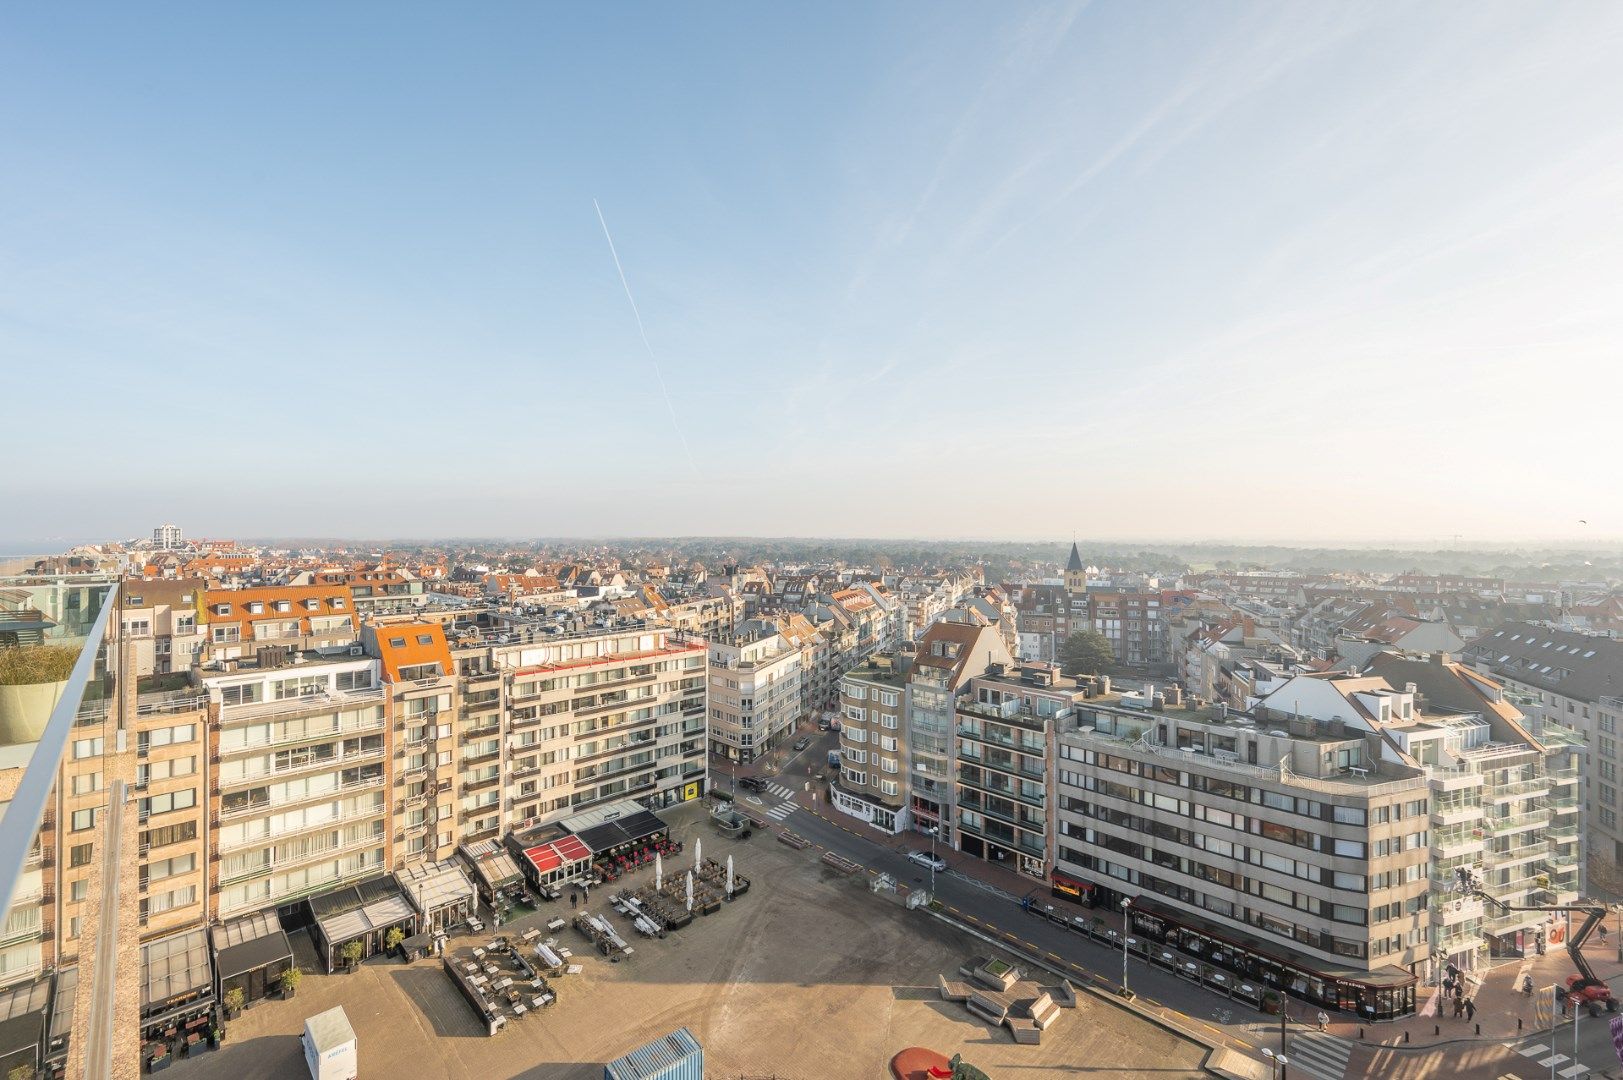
(544, 999)
(470, 967)
(519, 1010)
(478, 954)
(531, 934)
(491, 969)
(575, 969)
(556, 924)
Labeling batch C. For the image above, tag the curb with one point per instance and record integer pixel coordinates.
(1027, 952)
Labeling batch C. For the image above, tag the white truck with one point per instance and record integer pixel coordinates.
(329, 1046)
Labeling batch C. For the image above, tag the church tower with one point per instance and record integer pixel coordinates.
(1076, 575)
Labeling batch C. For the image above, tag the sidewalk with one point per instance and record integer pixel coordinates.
(1499, 1002)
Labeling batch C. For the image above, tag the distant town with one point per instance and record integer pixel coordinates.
(1335, 793)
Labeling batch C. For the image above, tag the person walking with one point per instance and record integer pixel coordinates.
(1459, 1008)
(1324, 1021)
(1470, 1008)
(1602, 933)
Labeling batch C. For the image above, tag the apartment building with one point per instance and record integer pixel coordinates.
(301, 792)
(950, 653)
(1283, 851)
(872, 784)
(1569, 681)
(295, 617)
(164, 624)
(1008, 721)
(373, 590)
(589, 719)
(755, 698)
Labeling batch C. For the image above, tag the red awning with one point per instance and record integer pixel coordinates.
(549, 857)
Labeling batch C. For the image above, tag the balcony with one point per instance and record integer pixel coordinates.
(993, 786)
(1521, 789)
(260, 809)
(481, 784)
(342, 731)
(377, 810)
(273, 866)
(322, 701)
(1456, 814)
(329, 764)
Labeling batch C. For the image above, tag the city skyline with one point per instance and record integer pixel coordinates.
(1284, 272)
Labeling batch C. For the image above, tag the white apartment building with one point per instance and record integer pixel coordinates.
(755, 698)
(872, 785)
(301, 789)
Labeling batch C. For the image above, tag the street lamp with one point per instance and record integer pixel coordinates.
(1126, 905)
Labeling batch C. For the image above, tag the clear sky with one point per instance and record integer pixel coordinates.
(1298, 271)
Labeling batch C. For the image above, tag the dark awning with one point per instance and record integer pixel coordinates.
(621, 831)
(252, 955)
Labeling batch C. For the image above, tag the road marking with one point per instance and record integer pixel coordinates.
(1572, 1071)
(1555, 1059)
(1533, 1051)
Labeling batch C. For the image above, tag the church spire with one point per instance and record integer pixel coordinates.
(1075, 565)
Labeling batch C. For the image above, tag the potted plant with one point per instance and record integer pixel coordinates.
(290, 981)
(393, 939)
(216, 1036)
(351, 954)
(31, 681)
(25, 1071)
(235, 998)
(1270, 1002)
(160, 1059)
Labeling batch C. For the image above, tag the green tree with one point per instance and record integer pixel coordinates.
(1087, 652)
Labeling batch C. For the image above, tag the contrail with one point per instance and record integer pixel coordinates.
(660, 375)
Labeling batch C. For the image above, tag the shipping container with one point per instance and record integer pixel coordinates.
(677, 1056)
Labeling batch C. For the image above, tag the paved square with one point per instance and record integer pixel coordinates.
(808, 974)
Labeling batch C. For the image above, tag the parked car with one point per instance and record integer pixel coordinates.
(927, 860)
(822, 725)
(802, 742)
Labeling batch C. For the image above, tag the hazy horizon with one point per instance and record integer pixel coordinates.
(1344, 274)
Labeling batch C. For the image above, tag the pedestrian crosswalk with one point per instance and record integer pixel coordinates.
(786, 806)
(1316, 1054)
(1554, 1060)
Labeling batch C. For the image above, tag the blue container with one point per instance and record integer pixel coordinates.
(678, 1056)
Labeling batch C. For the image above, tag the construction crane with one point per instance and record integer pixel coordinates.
(1584, 987)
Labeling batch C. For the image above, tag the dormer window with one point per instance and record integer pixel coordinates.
(256, 608)
(222, 609)
(284, 605)
(312, 605)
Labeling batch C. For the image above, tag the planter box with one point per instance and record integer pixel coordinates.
(25, 710)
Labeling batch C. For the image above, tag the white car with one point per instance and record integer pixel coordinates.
(926, 860)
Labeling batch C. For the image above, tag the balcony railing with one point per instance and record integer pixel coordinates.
(258, 809)
(344, 730)
(343, 699)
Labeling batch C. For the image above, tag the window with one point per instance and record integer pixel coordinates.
(425, 639)
(1353, 849)
(397, 643)
(1348, 815)
(81, 854)
(85, 819)
(87, 783)
(87, 748)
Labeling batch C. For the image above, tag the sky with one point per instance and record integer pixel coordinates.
(1204, 270)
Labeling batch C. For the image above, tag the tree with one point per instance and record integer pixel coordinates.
(1086, 652)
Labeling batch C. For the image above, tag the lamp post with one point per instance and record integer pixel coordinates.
(1273, 1061)
(1126, 907)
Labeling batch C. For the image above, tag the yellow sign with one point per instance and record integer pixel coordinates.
(690, 792)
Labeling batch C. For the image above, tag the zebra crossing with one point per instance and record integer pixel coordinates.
(785, 806)
(1547, 1057)
(1316, 1054)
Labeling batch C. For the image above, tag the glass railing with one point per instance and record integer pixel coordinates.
(52, 664)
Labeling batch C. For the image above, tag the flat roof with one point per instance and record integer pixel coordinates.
(175, 966)
(613, 834)
(491, 863)
(432, 886)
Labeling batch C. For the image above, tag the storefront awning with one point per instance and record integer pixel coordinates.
(491, 864)
(249, 944)
(435, 886)
(63, 996)
(611, 835)
(22, 1017)
(353, 910)
(560, 854)
(174, 969)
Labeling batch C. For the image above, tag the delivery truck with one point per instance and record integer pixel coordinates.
(329, 1046)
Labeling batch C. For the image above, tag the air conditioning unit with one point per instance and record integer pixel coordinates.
(356, 650)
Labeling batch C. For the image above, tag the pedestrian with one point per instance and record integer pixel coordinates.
(1470, 1008)
(1459, 1008)
(571, 898)
(1603, 933)
(1324, 1020)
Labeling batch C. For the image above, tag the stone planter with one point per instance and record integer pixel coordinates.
(25, 710)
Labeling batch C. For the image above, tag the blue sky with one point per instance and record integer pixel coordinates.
(1206, 270)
